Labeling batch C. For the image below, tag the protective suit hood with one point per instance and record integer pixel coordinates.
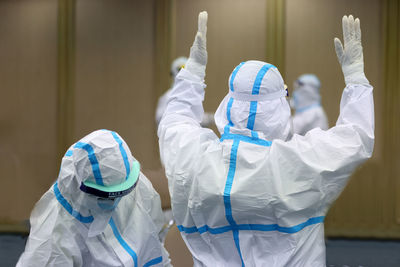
(101, 157)
(306, 92)
(255, 105)
(177, 65)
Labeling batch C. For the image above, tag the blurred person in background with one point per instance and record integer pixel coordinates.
(101, 211)
(176, 66)
(306, 102)
(251, 197)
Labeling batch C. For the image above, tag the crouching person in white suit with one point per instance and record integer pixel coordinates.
(101, 211)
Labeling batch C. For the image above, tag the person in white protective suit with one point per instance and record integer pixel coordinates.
(176, 66)
(101, 211)
(306, 102)
(251, 198)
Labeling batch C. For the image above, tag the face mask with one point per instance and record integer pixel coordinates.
(108, 204)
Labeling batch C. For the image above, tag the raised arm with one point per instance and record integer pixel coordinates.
(197, 61)
(184, 112)
(186, 98)
(326, 159)
(350, 55)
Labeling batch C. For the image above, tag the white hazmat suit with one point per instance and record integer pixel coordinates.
(306, 101)
(250, 198)
(72, 228)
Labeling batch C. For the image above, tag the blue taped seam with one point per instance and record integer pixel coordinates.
(228, 116)
(69, 153)
(252, 115)
(253, 104)
(229, 182)
(237, 244)
(122, 241)
(227, 195)
(228, 110)
(123, 153)
(247, 139)
(187, 230)
(254, 135)
(260, 75)
(93, 161)
(153, 262)
(234, 72)
(68, 207)
(204, 229)
(252, 227)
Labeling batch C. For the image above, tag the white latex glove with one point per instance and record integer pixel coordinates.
(351, 56)
(197, 61)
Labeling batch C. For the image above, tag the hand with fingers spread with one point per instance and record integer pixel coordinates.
(350, 54)
(197, 61)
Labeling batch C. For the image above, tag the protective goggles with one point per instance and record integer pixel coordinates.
(114, 191)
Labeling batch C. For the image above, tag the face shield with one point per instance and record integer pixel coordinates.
(108, 203)
(96, 173)
(113, 191)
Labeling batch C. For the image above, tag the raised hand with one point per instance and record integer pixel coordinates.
(350, 55)
(197, 61)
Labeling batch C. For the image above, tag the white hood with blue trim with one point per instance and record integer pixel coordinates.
(69, 228)
(255, 103)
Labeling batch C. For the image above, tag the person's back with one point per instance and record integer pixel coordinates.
(251, 197)
(306, 102)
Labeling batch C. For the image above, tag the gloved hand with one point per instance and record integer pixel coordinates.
(351, 57)
(197, 61)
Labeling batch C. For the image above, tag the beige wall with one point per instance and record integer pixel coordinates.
(28, 79)
(115, 73)
(116, 85)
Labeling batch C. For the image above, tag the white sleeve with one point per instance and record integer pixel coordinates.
(180, 134)
(324, 160)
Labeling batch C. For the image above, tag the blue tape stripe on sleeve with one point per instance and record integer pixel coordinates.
(153, 262)
(235, 71)
(122, 241)
(252, 115)
(123, 153)
(69, 153)
(93, 161)
(247, 139)
(228, 115)
(68, 207)
(260, 75)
